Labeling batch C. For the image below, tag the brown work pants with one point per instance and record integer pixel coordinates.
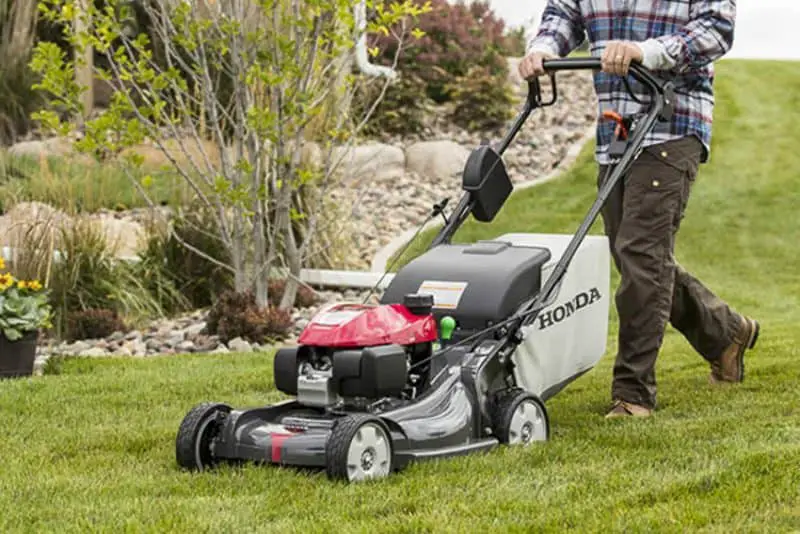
(641, 220)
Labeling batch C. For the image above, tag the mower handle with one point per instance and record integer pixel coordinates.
(661, 108)
(636, 69)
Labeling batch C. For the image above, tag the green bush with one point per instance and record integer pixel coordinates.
(236, 315)
(196, 278)
(87, 275)
(94, 324)
(480, 104)
(402, 110)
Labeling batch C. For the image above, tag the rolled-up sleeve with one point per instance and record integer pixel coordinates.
(561, 29)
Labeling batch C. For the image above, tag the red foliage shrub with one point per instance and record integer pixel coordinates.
(457, 36)
(305, 297)
(93, 323)
(236, 315)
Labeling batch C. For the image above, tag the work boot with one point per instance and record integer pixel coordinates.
(730, 365)
(622, 408)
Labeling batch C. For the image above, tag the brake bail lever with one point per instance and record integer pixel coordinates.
(552, 76)
(535, 92)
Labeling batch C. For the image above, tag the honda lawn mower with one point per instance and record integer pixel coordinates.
(467, 343)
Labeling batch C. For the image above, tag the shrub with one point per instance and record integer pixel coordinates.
(401, 111)
(515, 42)
(94, 323)
(84, 274)
(196, 278)
(456, 37)
(236, 315)
(87, 276)
(480, 104)
(305, 296)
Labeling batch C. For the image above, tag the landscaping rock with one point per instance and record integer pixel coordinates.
(32, 222)
(54, 146)
(239, 345)
(124, 236)
(439, 161)
(370, 163)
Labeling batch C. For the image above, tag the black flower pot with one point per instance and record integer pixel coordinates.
(17, 357)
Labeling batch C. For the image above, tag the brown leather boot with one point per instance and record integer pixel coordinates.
(626, 409)
(730, 366)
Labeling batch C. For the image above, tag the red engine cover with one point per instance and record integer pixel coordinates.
(359, 325)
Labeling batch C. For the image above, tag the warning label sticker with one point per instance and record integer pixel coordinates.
(336, 317)
(446, 295)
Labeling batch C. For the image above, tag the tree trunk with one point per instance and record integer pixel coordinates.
(84, 62)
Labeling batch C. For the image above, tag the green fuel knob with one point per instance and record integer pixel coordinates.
(447, 325)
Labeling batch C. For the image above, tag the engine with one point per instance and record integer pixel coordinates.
(354, 353)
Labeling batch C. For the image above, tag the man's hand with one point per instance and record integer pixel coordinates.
(618, 56)
(531, 65)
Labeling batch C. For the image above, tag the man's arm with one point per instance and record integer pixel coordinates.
(560, 30)
(706, 38)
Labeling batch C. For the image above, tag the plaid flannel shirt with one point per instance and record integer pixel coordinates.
(679, 40)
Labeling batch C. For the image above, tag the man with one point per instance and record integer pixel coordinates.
(678, 40)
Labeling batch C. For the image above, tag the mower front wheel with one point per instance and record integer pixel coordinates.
(194, 442)
(359, 448)
(519, 418)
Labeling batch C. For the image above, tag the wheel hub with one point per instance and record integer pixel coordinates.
(369, 453)
(527, 432)
(528, 424)
(368, 459)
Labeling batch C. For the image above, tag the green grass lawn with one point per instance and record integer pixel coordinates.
(91, 449)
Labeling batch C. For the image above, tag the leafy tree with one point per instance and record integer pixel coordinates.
(233, 93)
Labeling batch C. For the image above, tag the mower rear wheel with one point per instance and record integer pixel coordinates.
(194, 442)
(519, 418)
(358, 449)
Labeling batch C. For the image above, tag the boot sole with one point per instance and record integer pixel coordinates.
(755, 329)
(754, 336)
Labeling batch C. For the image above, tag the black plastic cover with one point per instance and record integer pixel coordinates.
(384, 371)
(487, 181)
(418, 304)
(372, 372)
(284, 368)
(498, 278)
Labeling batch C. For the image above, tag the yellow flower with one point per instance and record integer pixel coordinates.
(2, 264)
(22, 284)
(34, 285)
(6, 281)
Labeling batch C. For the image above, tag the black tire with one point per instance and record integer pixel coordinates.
(506, 404)
(197, 430)
(344, 433)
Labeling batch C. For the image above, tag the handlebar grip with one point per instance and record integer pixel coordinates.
(637, 70)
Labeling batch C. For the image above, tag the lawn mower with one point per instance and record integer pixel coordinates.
(465, 346)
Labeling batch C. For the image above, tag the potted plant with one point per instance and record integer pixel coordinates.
(24, 311)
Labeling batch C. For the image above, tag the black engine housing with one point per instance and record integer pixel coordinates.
(498, 277)
(370, 372)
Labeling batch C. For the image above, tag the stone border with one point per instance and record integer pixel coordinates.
(381, 259)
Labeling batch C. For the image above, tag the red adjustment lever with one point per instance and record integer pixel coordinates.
(620, 131)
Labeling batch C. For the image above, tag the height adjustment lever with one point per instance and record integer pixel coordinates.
(622, 131)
